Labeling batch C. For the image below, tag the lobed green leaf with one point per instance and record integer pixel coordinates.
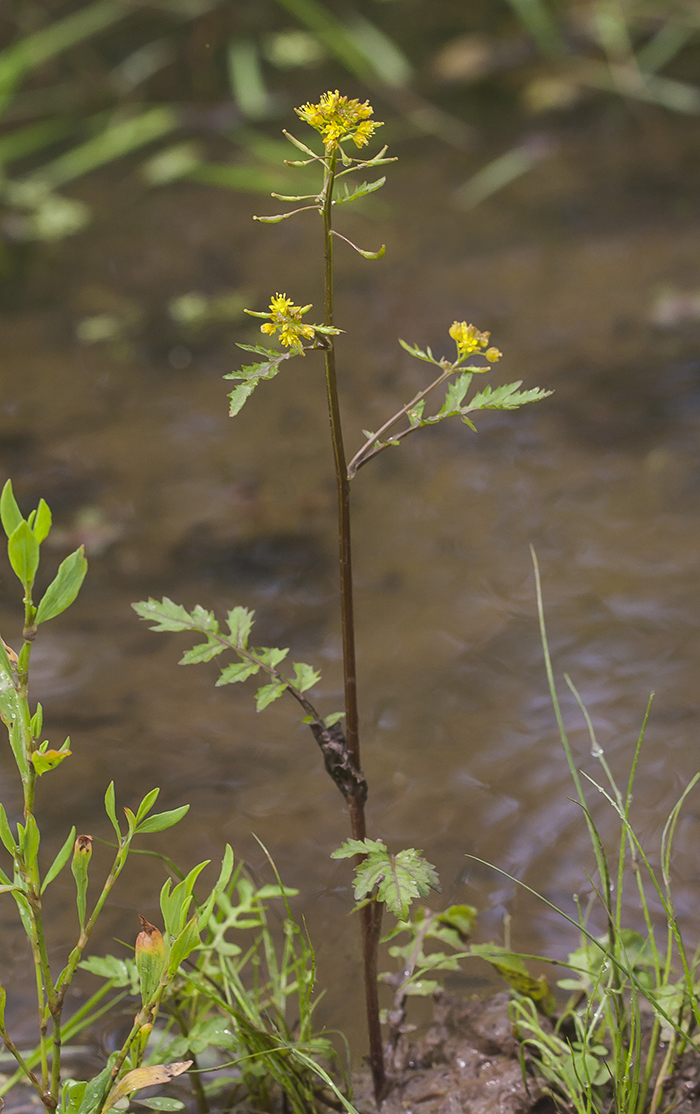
(167, 616)
(240, 622)
(305, 677)
(268, 693)
(204, 652)
(240, 671)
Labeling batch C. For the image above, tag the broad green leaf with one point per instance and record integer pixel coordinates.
(162, 820)
(305, 677)
(414, 350)
(359, 191)
(46, 760)
(60, 861)
(64, 587)
(144, 1077)
(268, 693)
(240, 622)
(175, 906)
(95, 1090)
(42, 522)
(240, 671)
(204, 652)
(421, 988)
(167, 616)
(10, 513)
(23, 551)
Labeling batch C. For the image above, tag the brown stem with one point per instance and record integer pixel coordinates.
(370, 915)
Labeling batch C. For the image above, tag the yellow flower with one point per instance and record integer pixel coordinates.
(469, 340)
(338, 118)
(286, 317)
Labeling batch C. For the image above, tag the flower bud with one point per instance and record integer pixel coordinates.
(150, 958)
(82, 853)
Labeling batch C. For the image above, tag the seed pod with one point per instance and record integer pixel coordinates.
(82, 854)
(150, 958)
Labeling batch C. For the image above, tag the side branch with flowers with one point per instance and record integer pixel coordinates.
(340, 121)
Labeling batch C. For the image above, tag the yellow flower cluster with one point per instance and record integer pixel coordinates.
(286, 317)
(337, 118)
(469, 340)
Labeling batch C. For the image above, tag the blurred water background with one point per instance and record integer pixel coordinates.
(546, 190)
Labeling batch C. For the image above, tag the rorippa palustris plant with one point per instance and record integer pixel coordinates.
(344, 126)
(25, 875)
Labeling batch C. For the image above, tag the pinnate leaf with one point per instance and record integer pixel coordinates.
(505, 397)
(359, 191)
(393, 879)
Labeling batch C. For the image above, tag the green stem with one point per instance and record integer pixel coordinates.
(49, 1102)
(370, 915)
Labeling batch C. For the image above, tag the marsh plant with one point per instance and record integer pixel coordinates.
(344, 127)
(195, 988)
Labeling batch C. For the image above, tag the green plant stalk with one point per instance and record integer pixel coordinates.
(46, 1099)
(80, 1021)
(370, 914)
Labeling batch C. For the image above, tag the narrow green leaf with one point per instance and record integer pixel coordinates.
(505, 397)
(82, 853)
(37, 722)
(23, 551)
(111, 809)
(146, 804)
(414, 350)
(6, 833)
(238, 672)
(268, 693)
(42, 522)
(204, 652)
(239, 396)
(162, 820)
(162, 1102)
(60, 861)
(64, 587)
(240, 622)
(10, 514)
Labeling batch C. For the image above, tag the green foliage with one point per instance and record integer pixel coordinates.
(169, 616)
(394, 879)
(417, 968)
(252, 374)
(63, 590)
